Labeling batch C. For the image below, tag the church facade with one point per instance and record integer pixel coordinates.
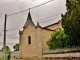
(33, 38)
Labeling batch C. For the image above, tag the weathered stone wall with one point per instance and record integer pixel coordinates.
(39, 42)
(64, 55)
(46, 34)
(28, 50)
(39, 37)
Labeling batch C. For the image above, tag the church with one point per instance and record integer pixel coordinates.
(33, 38)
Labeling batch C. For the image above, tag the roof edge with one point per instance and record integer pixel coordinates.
(53, 24)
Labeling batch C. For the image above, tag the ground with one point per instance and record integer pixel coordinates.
(35, 59)
(49, 59)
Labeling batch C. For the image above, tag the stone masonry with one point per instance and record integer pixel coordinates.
(33, 38)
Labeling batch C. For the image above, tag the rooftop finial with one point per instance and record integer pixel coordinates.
(29, 20)
(38, 26)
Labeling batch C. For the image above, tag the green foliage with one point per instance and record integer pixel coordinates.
(6, 49)
(0, 50)
(8, 55)
(16, 47)
(1, 57)
(58, 40)
(71, 21)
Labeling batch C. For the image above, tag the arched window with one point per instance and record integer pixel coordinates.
(29, 39)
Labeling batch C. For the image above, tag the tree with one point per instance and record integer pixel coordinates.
(16, 47)
(58, 40)
(6, 49)
(71, 21)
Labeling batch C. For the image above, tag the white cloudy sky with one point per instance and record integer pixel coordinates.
(45, 15)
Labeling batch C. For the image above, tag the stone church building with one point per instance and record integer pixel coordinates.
(33, 38)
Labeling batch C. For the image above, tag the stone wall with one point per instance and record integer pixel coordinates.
(39, 37)
(28, 50)
(39, 42)
(46, 34)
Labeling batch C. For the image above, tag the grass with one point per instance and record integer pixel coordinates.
(36, 59)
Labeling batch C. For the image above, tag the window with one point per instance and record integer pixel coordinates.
(29, 39)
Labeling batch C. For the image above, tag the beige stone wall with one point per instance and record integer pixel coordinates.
(39, 42)
(20, 43)
(39, 37)
(46, 34)
(28, 50)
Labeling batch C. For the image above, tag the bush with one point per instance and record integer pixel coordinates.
(6, 49)
(1, 57)
(58, 40)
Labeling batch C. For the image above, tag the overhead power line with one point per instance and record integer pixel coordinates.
(50, 16)
(18, 12)
(49, 20)
(13, 29)
(17, 28)
(42, 4)
(38, 20)
(30, 8)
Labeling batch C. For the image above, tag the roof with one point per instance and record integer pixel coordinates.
(46, 28)
(50, 29)
(29, 20)
(53, 23)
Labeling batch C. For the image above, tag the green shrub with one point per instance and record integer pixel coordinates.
(6, 49)
(58, 40)
(1, 57)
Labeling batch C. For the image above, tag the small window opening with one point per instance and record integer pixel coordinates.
(29, 39)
